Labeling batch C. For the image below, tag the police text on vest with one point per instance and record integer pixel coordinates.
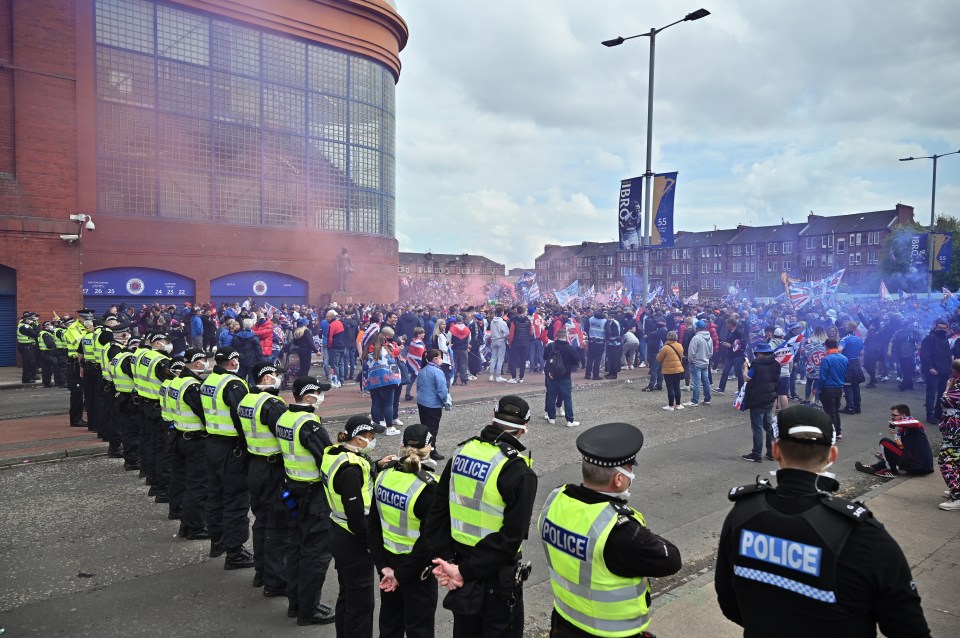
(780, 551)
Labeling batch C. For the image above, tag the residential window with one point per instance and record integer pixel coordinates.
(737, 250)
(826, 241)
(705, 252)
(841, 246)
(786, 266)
(676, 253)
(811, 243)
(810, 261)
(704, 284)
(717, 267)
(873, 256)
(675, 269)
(873, 238)
(787, 247)
(772, 248)
(771, 266)
(737, 267)
(716, 284)
(750, 249)
(686, 253)
(704, 267)
(687, 269)
(437, 269)
(718, 251)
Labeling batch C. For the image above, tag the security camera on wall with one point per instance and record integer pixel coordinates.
(70, 238)
(90, 225)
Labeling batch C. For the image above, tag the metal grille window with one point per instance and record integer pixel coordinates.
(208, 120)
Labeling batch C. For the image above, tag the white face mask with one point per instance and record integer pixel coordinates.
(270, 386)
(371, 445)
(168, 348)
(625, 494)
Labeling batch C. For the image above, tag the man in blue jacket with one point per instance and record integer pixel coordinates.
(196, 329)
(431, 396)
(833, 373)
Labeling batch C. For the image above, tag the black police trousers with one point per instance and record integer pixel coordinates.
(265, 478)
(355, 572)
(130, 421)
(154, 453)
(409, 610)
(499, 616)
(308, 553)
(48, 366)
(614, 354)
(91, 379)
(60, 371)
(28, 354)
(76, 391)
(188, 480)
(594, 355)
(228, 500)
(111, 418)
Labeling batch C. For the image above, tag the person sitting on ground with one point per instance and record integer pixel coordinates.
(907, 451)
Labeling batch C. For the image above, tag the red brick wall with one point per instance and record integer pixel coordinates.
(6, 89)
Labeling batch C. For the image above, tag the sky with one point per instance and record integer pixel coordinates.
(515, 125)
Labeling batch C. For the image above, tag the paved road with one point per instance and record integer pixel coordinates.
(33, 400)
(84, 553)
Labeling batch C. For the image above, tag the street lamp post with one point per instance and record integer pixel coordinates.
(933, 206)
(648, 173)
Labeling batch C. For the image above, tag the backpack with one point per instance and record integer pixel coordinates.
(553, 367)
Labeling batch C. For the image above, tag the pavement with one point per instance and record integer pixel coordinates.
(128, 559)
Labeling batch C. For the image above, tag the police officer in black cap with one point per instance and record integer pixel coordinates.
(302, 441)
(73, 335)
(188, 465)
(796, 561)
(478, 530)
(27, 335)
(599, 551)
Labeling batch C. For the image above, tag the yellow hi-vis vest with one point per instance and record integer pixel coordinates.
(97, 346)
(58, 339)
(397, 492)
(476, 507)
(328, 470)
(103, 355)
(585, 591)
(215, 408)
(43, 344)
(72, 338)
(183, 417)
(166, 410)
(298, 462)
(260, 440)
(86, 347)
(121, 380)
(22, 338)
(145, 374)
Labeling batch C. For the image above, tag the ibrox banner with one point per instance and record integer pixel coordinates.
(664, 188)
(918, 253)
(942, 251)
(631, 213)
(569, 293)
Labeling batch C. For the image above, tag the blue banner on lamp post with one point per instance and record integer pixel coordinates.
(664, 188)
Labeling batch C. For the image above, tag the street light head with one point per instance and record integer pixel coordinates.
(907, 159)
(613, 43)
(696, 15)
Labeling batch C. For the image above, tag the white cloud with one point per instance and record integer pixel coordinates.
(515, 125)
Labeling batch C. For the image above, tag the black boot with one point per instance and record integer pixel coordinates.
(320, 615)
(238, 558)
(216, 548)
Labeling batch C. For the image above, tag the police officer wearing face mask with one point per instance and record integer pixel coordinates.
(347, 472)
(600, 553)
(259, 412)
(127, 412)
(226, 450)
(72, 337)
(150, 372)
(47, 343)
(188, 465)
(102, 338)
(796, 561)
(302, 441)
(478, 528)
(27, 345)
(113, 422)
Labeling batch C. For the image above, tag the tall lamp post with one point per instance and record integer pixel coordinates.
(648, 173)
(933, 205)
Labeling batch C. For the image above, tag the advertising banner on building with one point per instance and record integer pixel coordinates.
(664, 188)
(942, 251)
(630, 209)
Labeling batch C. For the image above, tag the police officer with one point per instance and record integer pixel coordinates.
(404, 493)
(89, 373)
(27, 345)
(127, 411)
(596, 342)
(491, 491)
(796, 561)
(228, 500)
(347, 473)
(113, 422)
(188, 465)
(60, 351)
(168, 430)
(72, 338)
(102, 338)
(259, 412)
(599, 550)
(150, 372)
(47, 344)
(613, 336)
(302, 441)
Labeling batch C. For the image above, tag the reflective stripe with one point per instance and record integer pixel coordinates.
(121, 380)
(22, 338)
(215, 409)
(260, 440)
(476, 507)
(396, 493)
(331, 464)
(789, 584)
(585, 591)
(182, 415)
(298, 462)
(43, 344)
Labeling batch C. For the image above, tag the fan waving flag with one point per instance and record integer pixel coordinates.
(884, 293)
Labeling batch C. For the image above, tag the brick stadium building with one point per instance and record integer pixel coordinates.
(223, 149)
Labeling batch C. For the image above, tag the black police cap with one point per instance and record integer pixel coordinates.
(803, 424)
(360, 423)
(610, 444)
(265, 367)
(306, 385)
(512, 411)
(226, 354)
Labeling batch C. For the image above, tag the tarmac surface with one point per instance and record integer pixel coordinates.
(83, 552)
